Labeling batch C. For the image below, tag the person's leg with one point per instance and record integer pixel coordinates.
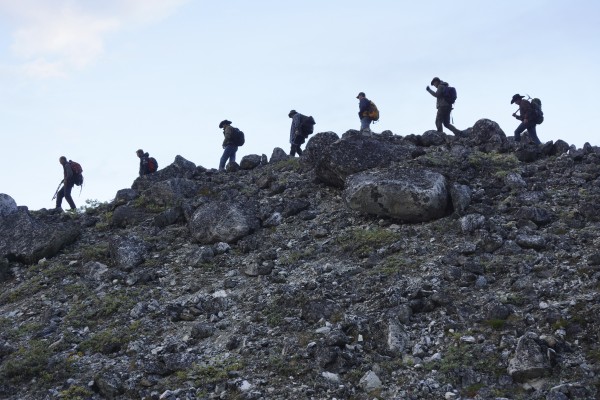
(293, 150)
(299, 150)
(223, 160)
(365, 122)
(68, 197)
(533, 134)
(232, 154)
(439, 119)
(59, 197)
(519, 130)
(446, 121)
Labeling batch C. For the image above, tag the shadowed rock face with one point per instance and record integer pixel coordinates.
(470, 256)
(406, 194)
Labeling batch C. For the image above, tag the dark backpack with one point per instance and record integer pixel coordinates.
(450, 95)
(77, 172)
(238, 137)
(536, 111)
(307, 126)
(152, 165)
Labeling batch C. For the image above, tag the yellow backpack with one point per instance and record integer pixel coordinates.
(373, 112)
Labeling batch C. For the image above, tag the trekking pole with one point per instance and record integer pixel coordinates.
(57, 189)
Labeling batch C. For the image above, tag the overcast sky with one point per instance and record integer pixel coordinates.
(96, 80)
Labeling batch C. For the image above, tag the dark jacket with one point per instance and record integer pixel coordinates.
(68, 174)
(439, 94)
(363, 107)
(525, 111)
(228, 133)
(144, 164)
(295, 128)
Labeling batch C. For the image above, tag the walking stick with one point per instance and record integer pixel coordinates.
(57, 189)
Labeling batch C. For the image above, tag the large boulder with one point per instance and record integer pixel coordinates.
(7, 205)
(404, 193)
(488, 135)
(27, 240)
(316, 145)
(529, 361)
(127, 251)
(250, 161)
(219, 221)
(358, 153)
(178, 169)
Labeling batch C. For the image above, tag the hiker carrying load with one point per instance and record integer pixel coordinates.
(367, 112)
(530, 114)
(446, 96)
(148, 165)
(233, 139)
(71, 176)
(302, 126)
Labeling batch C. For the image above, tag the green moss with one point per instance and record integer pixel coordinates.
(26, 363)
(106, 342)
(363, 242)
(76, 393)
(496, 324)
(493, 161)
(98, 252)
(210, 374)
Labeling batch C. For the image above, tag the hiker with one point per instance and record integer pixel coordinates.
(228, 144)
(443, 104)
(148, 165)
(526, 117)
(302, 126)
(364, 106)
(68, 182)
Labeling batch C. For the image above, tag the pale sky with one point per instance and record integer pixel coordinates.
(94, 81)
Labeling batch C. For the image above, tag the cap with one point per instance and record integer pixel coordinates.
(361, 94)
(436, 79)
(292, 113)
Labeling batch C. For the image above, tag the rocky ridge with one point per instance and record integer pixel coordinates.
(375, 266)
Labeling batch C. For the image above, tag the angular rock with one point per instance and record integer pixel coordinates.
(7, 205)
(250, 161)
(407, 194)
(223, 222)
(128, 252)
(370, 382)
(529, 362)
(316, 146)
(27, 239)
(461, 198)
(127, 215)
(488, 136)
(278, 155)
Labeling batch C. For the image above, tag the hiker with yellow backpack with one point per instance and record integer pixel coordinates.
(367, 112)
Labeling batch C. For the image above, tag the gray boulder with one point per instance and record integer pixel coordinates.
(316, 145)
(7, 205)
(529, 361)
(403, 193)
(27, 240)
(124, 216)
(180, 168)
(128, 252)
(250, 161)
(223, 222)
(461, 198)
(488, 136)
(278, 155)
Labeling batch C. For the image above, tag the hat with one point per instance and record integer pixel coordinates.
(515, 98)
(292, 113)
(361, 94)
(140, 151)
(223, 123)
(436, 79)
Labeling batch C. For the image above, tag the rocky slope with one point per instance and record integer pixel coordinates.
(376, 266)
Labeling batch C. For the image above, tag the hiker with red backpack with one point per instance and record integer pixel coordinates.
(69, 179)
(530, 114)
(148, 165)
(233, 139)
(446, 96)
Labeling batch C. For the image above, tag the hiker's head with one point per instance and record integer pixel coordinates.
(62, 160)
(361, 95)
(224, 123)
(292, 113)
(516, 99)
(140, 153)
(435, 81)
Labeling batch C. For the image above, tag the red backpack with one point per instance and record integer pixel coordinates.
(77, 170)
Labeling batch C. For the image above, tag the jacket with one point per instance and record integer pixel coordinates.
(68, 173)
(228, 133)
(144, 164)
(363, 107)
(525, 111)
(439, 94)
(296, 122)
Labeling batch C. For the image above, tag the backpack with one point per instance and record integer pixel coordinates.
(307, 126)
(450, 94)
(152, 164)
(238, 137)
(372, 111)
(77, 170)
(536, 111)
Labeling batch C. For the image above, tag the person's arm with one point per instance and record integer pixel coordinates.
(431, 92)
